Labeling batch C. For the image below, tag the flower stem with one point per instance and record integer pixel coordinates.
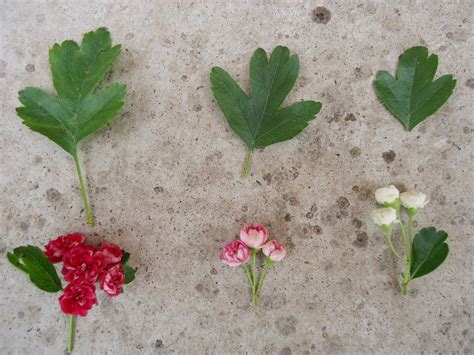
(247, 163)
(268, 263)
(392, 247)
(90, 218)
(254, 278)
(407, 245)
(72, 325)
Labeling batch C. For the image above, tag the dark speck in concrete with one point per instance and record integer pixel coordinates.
(24, 226)
(389, 156)
(286, 325)
(30, 68)
(199, 287)
(321, 15)
(197, 108)
(470, 83)
(343, 202)
(355, 152)
(349, 117)
(268, 178)
(309, 215)
(159, 190)
(53, 195)
(285, 351)
(362, 240)
(288, 217)
(158, 343)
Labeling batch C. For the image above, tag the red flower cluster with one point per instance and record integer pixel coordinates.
(83, 265)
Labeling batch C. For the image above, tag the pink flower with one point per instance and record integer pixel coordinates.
(254, 235)
(111, 253)
(112, 280)
(274, 250)
(56, 249)
(78, 298)
(235, 253)
(82, 263)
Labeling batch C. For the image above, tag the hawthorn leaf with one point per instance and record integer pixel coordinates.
(412, 96)
(258, 118)
(129, 273)
(34, 262)
(80, 108)
(429, 251)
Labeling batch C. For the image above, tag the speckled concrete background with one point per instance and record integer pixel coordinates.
(164, 181)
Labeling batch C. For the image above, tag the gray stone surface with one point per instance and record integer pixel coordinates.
(164, 181)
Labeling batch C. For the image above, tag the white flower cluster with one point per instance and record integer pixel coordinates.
(391, 198)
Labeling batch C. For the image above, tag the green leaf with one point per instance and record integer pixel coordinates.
(80, 108)
(125, 257)
(32, 260)
(257, 118)
(429, 251)
(129, 273)
(413, 95)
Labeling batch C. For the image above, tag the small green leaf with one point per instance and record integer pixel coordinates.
(129, 273)
(258, 119)
(429, 251)
(80, 108)
(32, 260)
(125, 257)
(413, 95)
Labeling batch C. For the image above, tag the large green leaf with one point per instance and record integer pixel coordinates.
(429, 251)
(80, 108)
(413, 95)
(257, 118)
(32, 260)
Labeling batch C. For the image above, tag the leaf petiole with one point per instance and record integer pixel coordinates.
(247, 163)
(90, 218)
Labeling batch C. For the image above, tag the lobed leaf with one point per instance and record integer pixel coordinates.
(258, 119)
(413, 96)
(79, 109)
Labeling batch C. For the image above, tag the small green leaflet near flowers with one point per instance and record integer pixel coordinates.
(32, 261)
(80, 108)
(413, 95)
(257, 118)
(429, 251)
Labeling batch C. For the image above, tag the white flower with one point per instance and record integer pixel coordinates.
(387, 194)
(413, 199)
(384, 216)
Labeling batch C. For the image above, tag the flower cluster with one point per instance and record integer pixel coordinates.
(428, 242)
(253, 239)
(83, 266)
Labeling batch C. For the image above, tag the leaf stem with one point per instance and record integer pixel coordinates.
(72, 326)
(90, 218)
(247, 163)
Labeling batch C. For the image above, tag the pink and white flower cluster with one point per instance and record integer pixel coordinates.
(83, 266)
(253, 236)
(253, 239)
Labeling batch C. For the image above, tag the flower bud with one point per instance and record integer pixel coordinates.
(235, 253)
(254, 235)
(384, 216)
(386, 195)
(413, 199)
(274, 250)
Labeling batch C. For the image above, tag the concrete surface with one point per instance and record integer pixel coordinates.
(164, 181)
